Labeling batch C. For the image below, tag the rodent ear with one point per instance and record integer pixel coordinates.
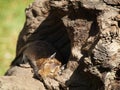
(53, 55)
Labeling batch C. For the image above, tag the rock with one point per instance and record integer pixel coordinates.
(19, 78)
(87, 35)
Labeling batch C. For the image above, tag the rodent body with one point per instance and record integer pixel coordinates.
(35, 51)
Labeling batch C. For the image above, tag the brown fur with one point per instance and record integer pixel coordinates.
(48, 67)
(34, 53)
(35, 50)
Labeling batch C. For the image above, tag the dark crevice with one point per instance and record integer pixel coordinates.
(114, 3)
(94, 28)
(53, 31)
(119, 24)
(34, 13)
(118, 74)
(102, 69)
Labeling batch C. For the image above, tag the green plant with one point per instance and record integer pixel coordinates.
(12, 17)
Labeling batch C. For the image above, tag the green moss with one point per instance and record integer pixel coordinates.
(12, 18)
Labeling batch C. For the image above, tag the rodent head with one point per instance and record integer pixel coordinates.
(48, 67)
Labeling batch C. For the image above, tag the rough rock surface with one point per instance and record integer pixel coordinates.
(21, 79)
(87, 35)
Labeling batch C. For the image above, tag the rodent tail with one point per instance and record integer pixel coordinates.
(18, 60)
